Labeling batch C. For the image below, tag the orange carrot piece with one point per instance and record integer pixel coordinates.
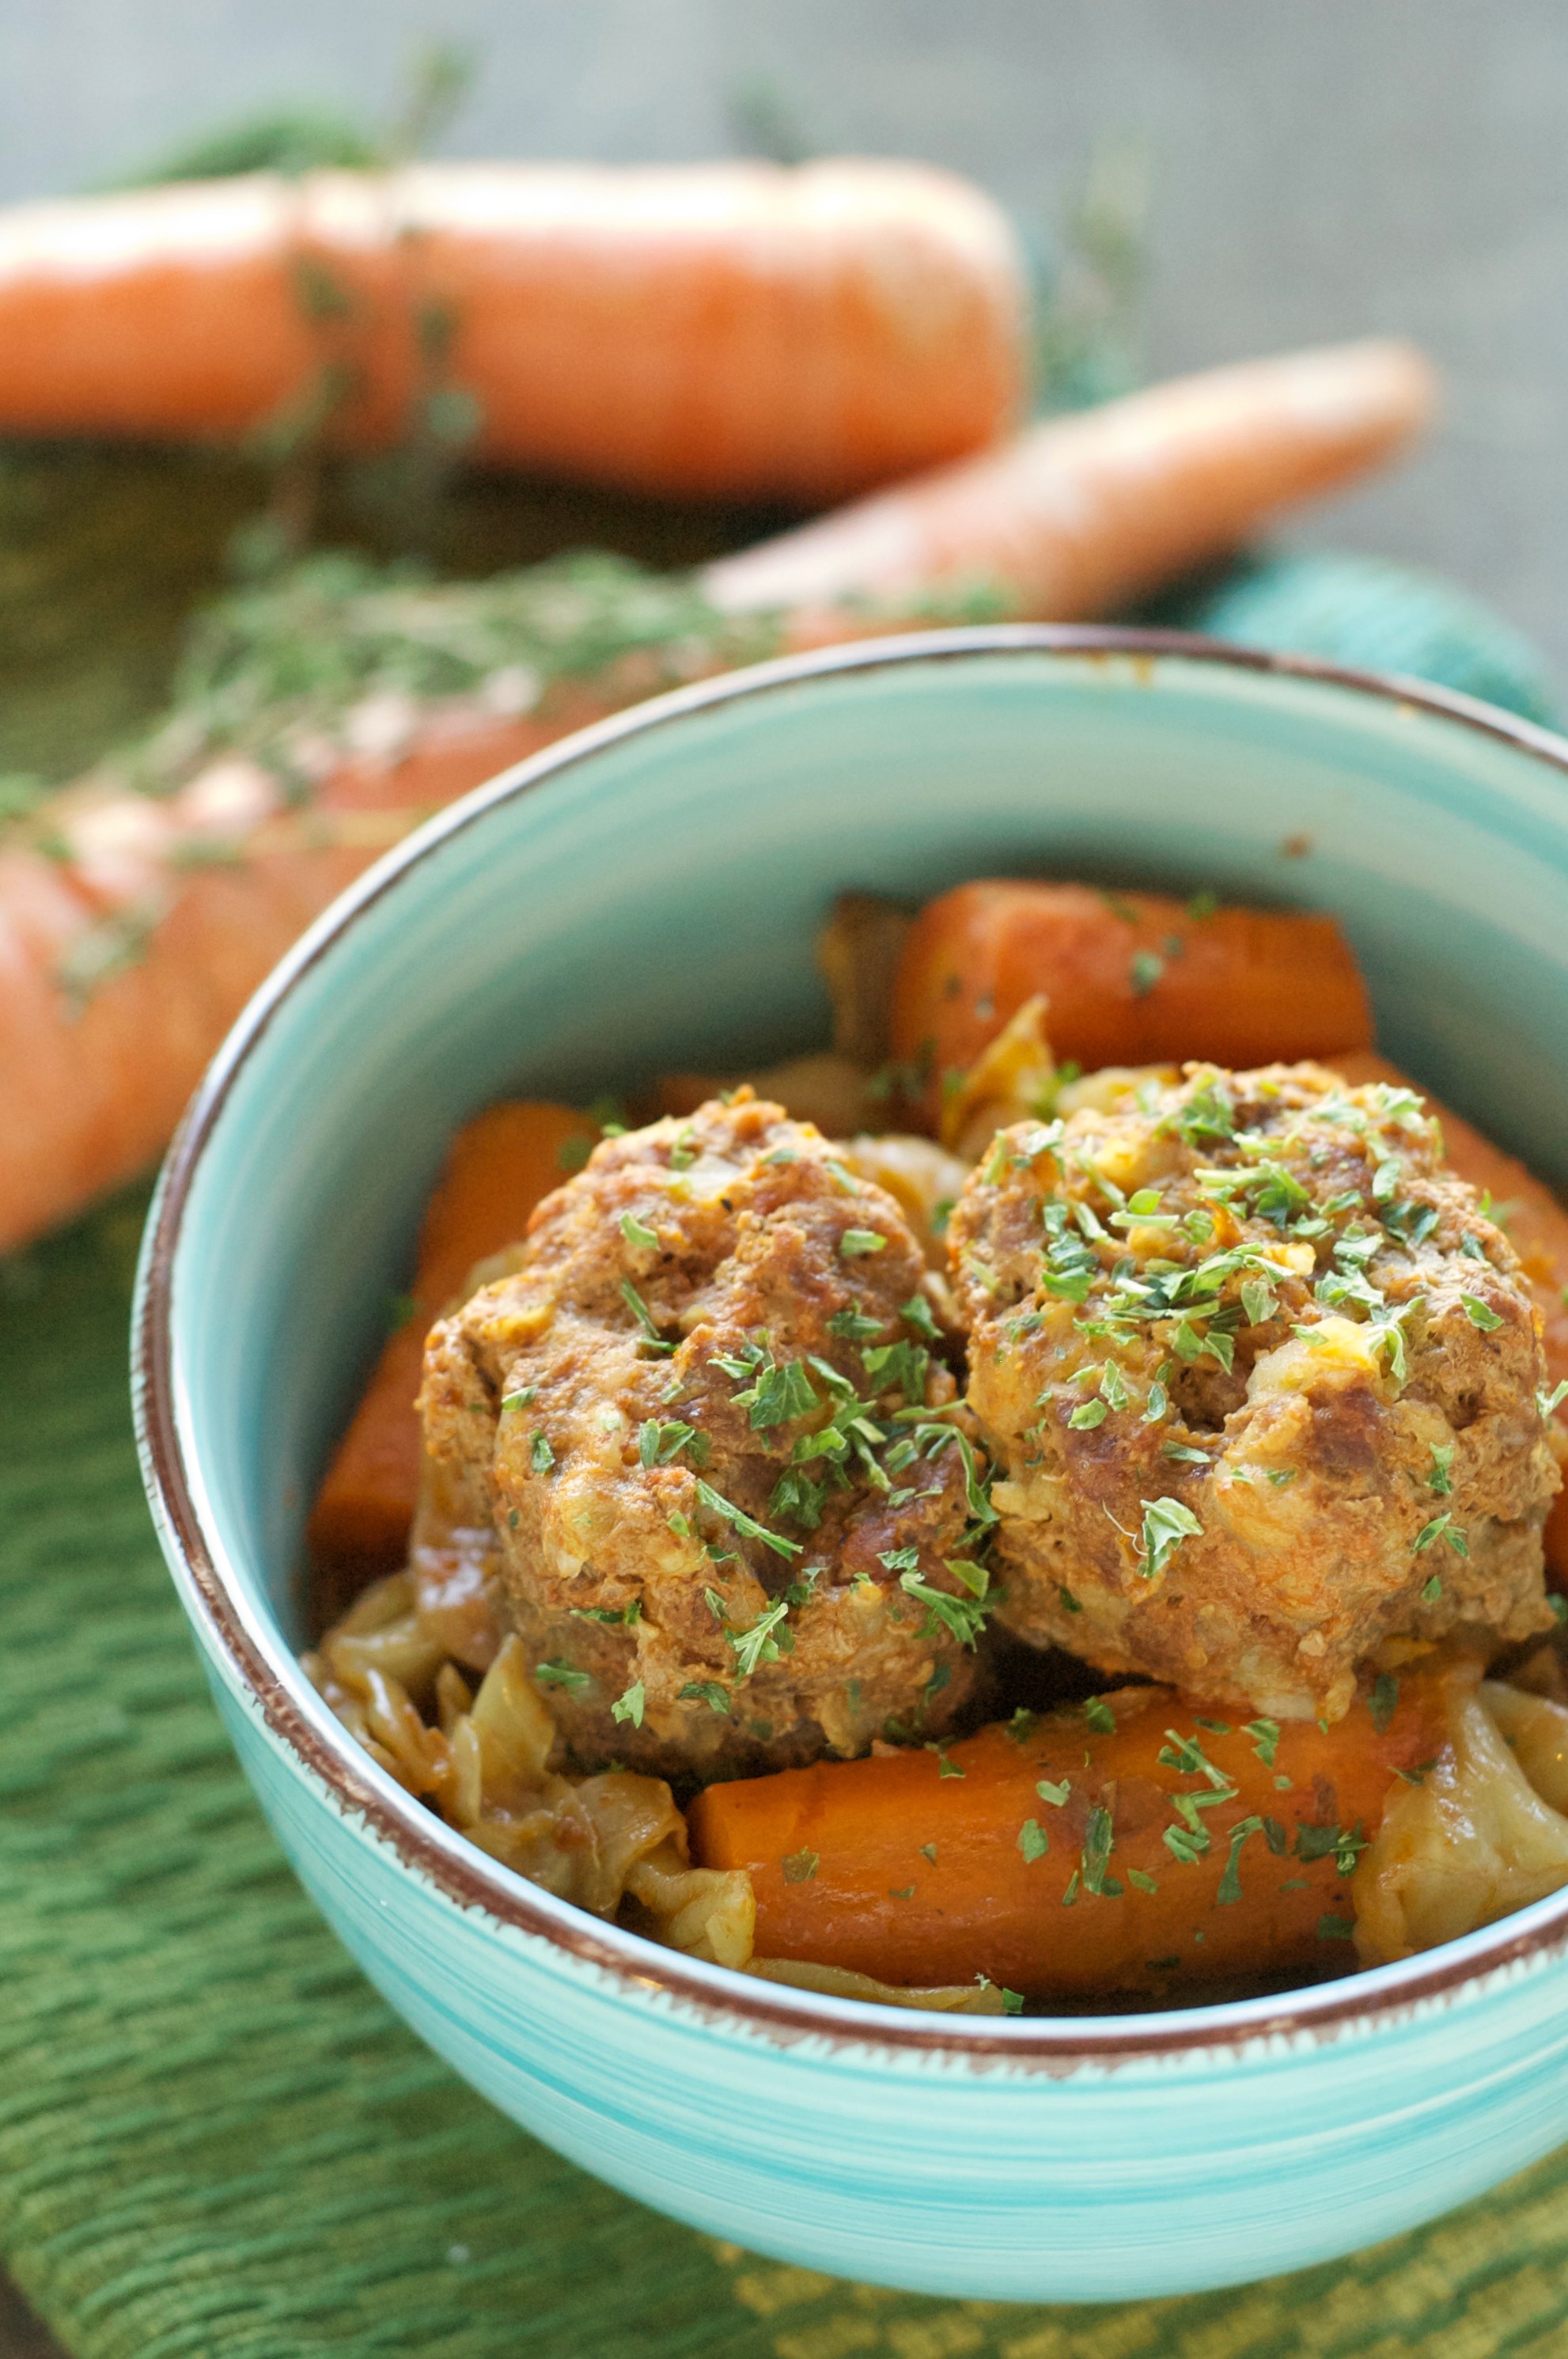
(168, 947)
(1039, 1857)
(1130, 978)
(1536, 1225)
(92, 1081)
(1084, 514)
(501, 1165)
(730, 329)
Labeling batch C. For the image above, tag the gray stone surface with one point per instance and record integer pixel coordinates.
(1318, 170)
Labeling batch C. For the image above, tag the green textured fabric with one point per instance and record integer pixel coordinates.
(214, 2139)
(1374, 616)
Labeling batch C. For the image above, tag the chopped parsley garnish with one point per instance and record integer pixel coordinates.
(1088, 1415)
(854, 1326)
(1335, 1928)
(763, 1642)
(963, 1617)
(707, 1691)
(796, 1495)
(658, 1443)
(1100, 1716)
(637, 1233)
(1070, 1604)
(779, 1396)
(1206, 1118)
(1432, 1589)
(524, 1397)
(917, 1313)
(747, 1525)
(1441, 1478)
(1144, 972)
(1383, 1702)
(1265, 1735)
(1166, 1524)
(897, 1367)
(640, 1311)
(1442, 1527)
(904, 1560)
(1054, 1791)
(800, 1866)
(1230, 1882)
(541, 1457)
(562, 1675)
(684, 1150)
(1186, 1754)
(1480, 1314)
(1257, 1299)
(1033, 1841)
(1097, 1855)
(856, 1242)
(629, 1705)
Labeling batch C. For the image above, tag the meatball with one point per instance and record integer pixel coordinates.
(1265, 1385)
(727, 1470)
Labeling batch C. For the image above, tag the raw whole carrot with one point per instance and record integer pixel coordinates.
(1536, 1225)
(1130, 1844)
(500, 1166)
(736, 329)
(1128, 979)
(130, 945)
(128, 949)
(1084, 514)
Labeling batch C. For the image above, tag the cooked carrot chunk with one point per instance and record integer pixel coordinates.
(1130, 979)
(1128, 1845)
(500, 1166)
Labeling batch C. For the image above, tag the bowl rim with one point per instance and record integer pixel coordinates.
(459, 1871)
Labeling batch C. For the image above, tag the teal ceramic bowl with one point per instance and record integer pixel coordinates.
(646, 894)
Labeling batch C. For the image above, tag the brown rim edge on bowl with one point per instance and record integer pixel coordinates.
(463, 1873)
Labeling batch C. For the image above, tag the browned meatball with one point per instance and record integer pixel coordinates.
(693, 1413)
(1265, 1381)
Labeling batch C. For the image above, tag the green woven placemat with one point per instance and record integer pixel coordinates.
(215, 2139)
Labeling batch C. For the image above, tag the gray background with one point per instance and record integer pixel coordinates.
(1318, 169)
